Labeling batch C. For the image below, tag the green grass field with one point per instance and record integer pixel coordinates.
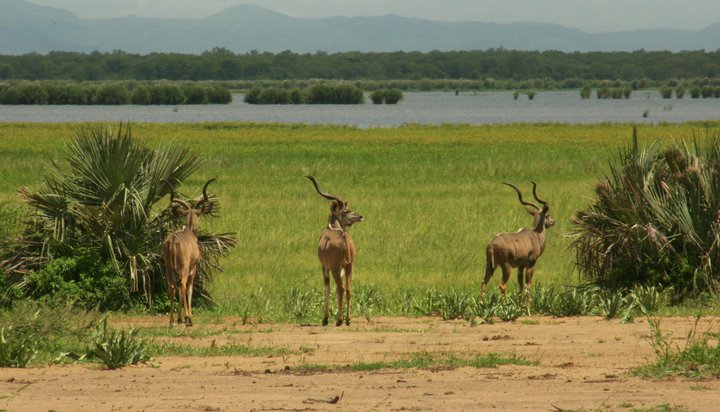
(431, 195)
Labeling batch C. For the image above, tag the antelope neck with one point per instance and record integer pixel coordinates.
(334, 224)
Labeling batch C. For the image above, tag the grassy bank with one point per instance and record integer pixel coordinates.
(431, 196)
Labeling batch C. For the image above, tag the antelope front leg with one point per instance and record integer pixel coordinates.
(326, 280)
(171, 293)
(348, 285)
(183, 298)
(528, 283)
(339, 290)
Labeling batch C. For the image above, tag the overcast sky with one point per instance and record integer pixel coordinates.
(588, 15)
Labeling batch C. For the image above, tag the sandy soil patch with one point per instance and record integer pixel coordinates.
(583, 364)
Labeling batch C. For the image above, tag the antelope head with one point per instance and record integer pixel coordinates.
(549, 221)
(339, 211)
(202, 206)
(534, 210)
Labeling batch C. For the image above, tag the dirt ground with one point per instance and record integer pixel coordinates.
(583, 365)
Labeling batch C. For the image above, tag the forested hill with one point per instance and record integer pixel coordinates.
(221, 64)
(26, 28)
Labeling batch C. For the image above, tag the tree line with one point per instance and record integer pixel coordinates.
(496, 64)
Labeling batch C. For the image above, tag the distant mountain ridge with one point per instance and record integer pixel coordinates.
(26, 27)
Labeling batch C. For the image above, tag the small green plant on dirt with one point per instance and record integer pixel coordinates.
(16, 350)
(301, 303)
(367, 301)
(611, 303)
(115, 349)
(486, 307)
(512, 309)
(699, 358)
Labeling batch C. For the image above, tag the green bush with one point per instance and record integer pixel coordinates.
(585, 93)
(140, 96)
(24, 93)
(115, 349)
(252, 96)
(85, 279)
(47, 330)
(195, 94)
(296, 96)
(218, 95)
(653, 220)
(680, 91)
(388, 96)
(695, 92)
(334, 94)
(166, 94)
(111, 94)
(377, 96)
(65, 93)
(16, 350)
(393, 96)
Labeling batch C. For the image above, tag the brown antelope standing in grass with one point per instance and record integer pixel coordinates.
(521, 249)
(181, 253)
(336, 252)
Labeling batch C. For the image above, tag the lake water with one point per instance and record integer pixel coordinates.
(420, 107)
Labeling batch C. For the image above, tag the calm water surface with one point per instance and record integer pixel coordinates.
(420, 107)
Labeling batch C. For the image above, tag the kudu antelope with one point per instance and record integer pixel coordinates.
(336, 252)
(521, 249)
(181, 253)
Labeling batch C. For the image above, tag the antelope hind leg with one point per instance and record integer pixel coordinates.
(326, 280)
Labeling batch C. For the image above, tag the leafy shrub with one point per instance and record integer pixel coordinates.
(274, 96)
(377, 96)
(85, 279)
(695, 92)
(218, 95)
(585, 93)
(252, 96)
(388, 96)
(195, 94)
(334, 94)
(16, 350)
(111, 94)
(393, 96)
(115, 349)
(141, 96)
(24, 93)
(666, 92)
(653, 220)
(65, 93)
(162, 94)
(680, 91)
(611, 303)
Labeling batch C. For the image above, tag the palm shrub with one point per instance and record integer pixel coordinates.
(103, 204)
(655, 219)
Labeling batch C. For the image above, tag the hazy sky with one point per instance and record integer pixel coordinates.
(588, 15)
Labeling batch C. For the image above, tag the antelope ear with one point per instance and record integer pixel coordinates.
(335, 206)
(530, 211)
(346, 205)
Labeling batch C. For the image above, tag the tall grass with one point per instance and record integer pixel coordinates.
(431, 196)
